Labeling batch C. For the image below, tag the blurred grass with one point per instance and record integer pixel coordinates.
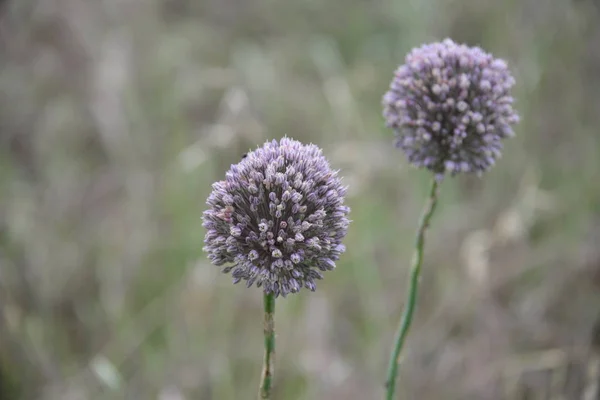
(115, 118)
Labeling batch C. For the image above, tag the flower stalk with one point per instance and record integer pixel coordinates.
(411, 300)
(268, 360)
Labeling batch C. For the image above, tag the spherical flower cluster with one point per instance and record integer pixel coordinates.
(278, 218)
(450, 107)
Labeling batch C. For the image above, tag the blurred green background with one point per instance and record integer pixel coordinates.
(116, 117)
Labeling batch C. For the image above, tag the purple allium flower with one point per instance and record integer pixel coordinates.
(450, 107)
(278, 217)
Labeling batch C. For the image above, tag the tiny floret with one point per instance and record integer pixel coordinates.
(278, 218)
(450, 108)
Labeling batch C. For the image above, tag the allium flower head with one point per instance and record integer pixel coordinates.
(278, 218)
(450, 107)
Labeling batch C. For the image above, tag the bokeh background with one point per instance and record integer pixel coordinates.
(116, 117)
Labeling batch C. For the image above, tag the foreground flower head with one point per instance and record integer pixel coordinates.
(450, 107)
(278, 217)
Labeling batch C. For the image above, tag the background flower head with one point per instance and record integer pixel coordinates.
(278, 217)
(450, 107)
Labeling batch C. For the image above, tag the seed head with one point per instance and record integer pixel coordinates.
(278, 218)
(450, 107)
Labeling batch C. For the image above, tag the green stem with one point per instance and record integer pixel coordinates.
(411, 300)
(268, 361)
